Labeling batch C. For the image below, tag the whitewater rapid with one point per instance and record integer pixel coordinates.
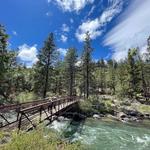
(104, 135)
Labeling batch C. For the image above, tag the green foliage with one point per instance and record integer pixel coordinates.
(6, 66)
(59, 82)
(143, 108)
(96, 104)
(86, 107)
(41, 139)
(112, 65)
(26, 96)
(100, 76)
(133, 73)
(70, 69)
(54, 76)
(44, 66)
(2, 134)
(86, 65)
(122, 82)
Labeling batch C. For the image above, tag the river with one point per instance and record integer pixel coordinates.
(104, 135)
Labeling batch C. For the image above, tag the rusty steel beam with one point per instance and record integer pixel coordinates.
(28, 111)
(4, 108)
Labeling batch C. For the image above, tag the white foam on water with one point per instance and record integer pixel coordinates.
(145, 140)
(106, 136)
(88, 140)
(88, 135)
(10, 116)
(59, 125)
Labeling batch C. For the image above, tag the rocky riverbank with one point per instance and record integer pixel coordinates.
(125, 110)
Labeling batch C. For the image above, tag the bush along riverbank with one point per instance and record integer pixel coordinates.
(124, 110)
(39, 139)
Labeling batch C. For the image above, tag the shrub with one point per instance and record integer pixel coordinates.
(25, 97)
(41, 139)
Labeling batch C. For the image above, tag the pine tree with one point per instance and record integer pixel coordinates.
(141, 66)
(122, 79)
(59, 78)
(145, 71)
(70, 61)
(134, 73)
(148, 50)
(112, 65)
(7, 63)
(46, 57)
(86, 67)
(4, 61)
(101, 77)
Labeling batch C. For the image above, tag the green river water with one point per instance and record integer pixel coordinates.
(105, 135)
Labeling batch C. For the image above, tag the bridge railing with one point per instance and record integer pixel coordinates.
(5, 108)
(29, 109)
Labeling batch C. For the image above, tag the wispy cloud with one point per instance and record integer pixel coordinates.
(91, 10)
(97, 25)
(92, 26)
(78, 63)
(62, 51)
(72, 5)
(64, 38)
(28, 54)
(65, 28)
(132, 30)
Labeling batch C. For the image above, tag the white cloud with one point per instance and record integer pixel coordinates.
(92, 26)
(132, 31)
(27, 54)
(72, 5)
(96, 26)
(78, 63)
(14, 33)
(108, 56)
(63, 38)
(91, 10)
(65, 28)
(115, 7)
(62, 51)
(143, 50)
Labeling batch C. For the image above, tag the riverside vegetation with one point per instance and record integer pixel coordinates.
(42, 139)
(121, 89)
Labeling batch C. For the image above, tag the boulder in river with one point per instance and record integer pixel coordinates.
(121, 115)
(96, 116)
(60, 118)
(147, 116)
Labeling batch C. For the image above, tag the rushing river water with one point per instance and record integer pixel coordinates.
(105, 135)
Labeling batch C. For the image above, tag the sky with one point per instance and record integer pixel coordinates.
(114, 26)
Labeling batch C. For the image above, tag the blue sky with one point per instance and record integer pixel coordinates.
(114, 25)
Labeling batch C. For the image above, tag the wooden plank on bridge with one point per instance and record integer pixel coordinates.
(40, 110)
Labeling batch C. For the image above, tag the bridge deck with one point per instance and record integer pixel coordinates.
(32, 113)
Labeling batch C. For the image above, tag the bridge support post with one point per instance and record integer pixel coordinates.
(19, 123)
(40, 115)
(4, 118)
(29, 120)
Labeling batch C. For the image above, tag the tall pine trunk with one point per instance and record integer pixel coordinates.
(71, 84)
(46, 77)
(87, 80)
